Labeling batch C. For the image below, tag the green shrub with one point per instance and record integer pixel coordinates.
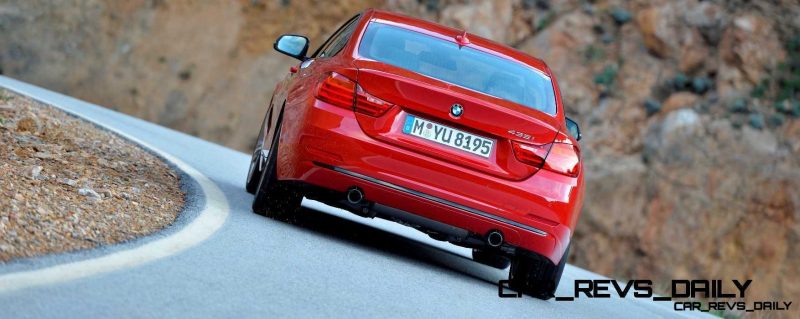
(760, 90)
(785, 82)
(621, 16)
(739, 106)
(606, 77)
(4, 96)
(652, 106)
(545, 21)
(680, 81)
(776, 119)
(594, 53)
(756, 120)
(701, 84)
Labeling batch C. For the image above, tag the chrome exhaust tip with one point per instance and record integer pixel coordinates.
(355, 195)
(494, 238)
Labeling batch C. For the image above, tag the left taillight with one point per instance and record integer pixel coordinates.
(369, 104)
(338, 90)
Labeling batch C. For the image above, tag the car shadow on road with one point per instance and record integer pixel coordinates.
(343, 230)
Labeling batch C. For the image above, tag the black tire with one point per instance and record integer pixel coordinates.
(490, 258)
(535, 275)
(256, 161)
(274, 198)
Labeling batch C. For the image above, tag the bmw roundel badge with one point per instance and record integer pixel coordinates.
(456, 110)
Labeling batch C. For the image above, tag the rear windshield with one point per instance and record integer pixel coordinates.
(466, 67)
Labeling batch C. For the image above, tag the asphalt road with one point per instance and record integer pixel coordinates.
(337, 265)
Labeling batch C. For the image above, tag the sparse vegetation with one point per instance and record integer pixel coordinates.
(594, 53)
(739, 106)
(621, 16)
(545, 21)
(777, 119)
(4, 96)
(606, 77)
(760, 90)
(701, 84)
(783, 87)
(680, 81)
(651, 106)
(756, 120)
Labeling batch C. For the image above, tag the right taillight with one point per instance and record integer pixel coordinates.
(561, 158)
(531, 154)
(338, 90)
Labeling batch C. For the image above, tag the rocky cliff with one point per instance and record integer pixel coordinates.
(689, 108)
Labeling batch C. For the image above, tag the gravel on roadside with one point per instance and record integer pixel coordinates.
(65, 184)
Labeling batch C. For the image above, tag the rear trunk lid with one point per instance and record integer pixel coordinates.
(419, 96)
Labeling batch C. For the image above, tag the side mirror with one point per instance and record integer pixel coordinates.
(295, 46)
(573, 129)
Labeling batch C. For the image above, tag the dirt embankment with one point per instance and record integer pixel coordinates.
(66, 184)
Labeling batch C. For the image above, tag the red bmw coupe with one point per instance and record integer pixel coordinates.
(444, 131)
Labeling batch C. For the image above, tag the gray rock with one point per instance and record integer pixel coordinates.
(43, 155)
(760, 141)
(681, 119)
(90, 193)
(105, 193)
(36, 171)
(663, 139)
(709, 18)
(67, 181)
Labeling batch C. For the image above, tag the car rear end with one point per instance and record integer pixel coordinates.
(453, 138)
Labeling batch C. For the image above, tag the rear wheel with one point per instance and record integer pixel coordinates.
(490, 258)
(274, 198)
(535, 275)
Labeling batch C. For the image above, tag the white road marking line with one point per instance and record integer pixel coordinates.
(208, 221)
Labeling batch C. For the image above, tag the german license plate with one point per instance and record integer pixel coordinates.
(449, 136)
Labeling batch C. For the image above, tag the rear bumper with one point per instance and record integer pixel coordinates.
(423, 196)
(325, 147)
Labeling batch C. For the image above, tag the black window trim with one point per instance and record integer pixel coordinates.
(334, 35)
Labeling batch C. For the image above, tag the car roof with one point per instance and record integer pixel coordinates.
(448, 33)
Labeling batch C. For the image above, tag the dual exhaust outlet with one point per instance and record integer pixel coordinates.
(355, 196)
